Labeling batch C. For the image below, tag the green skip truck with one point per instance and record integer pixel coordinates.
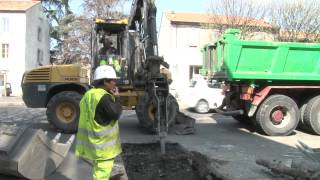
(274, 85)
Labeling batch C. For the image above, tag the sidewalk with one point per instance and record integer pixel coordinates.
(11, 101)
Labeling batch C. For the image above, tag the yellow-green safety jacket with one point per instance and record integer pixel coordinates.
(94, 141)
(115, 64)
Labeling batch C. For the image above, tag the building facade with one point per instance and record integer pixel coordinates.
(24, 41)
(182, 35)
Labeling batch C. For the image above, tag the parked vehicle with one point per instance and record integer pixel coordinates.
(142, 84)
(8, 89)
(274, 83)
(203, 95)
(31, 154)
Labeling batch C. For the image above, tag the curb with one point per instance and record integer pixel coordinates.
(12, 104)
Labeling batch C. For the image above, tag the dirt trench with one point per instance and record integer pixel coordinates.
(145, 162)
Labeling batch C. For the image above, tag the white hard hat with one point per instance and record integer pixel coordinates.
(104, 72)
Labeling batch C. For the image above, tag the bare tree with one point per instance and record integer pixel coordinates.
(298, 20)
(247, 15)
(56, 11)
(70, 33)
(104, 8)
(77, 44)
(60, 19)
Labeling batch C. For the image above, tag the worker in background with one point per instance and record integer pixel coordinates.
(108, 52)
(228, 95)
(107, 47)
(113, 61)
(98, 130)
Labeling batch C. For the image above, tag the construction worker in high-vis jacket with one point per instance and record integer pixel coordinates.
(98, 130)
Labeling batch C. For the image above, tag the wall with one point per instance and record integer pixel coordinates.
(37, 38)
(24, 44)
(15, 37)
(180, 45)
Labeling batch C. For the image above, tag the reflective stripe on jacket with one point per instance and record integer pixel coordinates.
(94, 141)
(115, 64)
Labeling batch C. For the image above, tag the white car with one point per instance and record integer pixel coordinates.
(203, 96)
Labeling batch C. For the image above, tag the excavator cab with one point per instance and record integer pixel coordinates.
(110, 47)
(113, 43)
(106, 44)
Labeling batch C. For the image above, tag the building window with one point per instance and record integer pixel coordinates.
(4, 50)
(40, 57)
(39, 34)
(4, 25)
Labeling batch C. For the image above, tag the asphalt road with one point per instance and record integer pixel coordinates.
(234, 146)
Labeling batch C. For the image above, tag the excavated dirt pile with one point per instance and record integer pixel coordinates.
(145, 162)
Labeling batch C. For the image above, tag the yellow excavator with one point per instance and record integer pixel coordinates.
(143, 85)
(144, 76)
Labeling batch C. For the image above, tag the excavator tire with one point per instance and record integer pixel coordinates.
(173, 107)
(146, 112)
(63, 111)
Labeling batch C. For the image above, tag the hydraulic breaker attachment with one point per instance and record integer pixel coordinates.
(30, 153)
(162, 117)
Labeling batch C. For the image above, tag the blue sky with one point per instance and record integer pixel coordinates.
(182, 5)
(163, 6)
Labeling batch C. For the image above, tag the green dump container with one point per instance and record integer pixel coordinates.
(235, 59)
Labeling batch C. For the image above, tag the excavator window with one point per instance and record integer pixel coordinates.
(107, 47)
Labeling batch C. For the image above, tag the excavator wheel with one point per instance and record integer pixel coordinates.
(146, 112)
(63, 111)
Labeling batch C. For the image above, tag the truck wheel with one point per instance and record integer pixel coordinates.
(202, 107)
(311, 116)
(278, 115)
(146, 112)
(301, 123)
(63, 111)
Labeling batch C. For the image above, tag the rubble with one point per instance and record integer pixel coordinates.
(184, 124)
(30, 153)
(145, 162)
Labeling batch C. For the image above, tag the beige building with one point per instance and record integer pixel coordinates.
(24, 41)
(182, 35)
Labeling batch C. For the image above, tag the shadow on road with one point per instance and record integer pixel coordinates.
(218, 137)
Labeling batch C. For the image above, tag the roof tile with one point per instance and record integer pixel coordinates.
(214, 19)
(17, 5)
